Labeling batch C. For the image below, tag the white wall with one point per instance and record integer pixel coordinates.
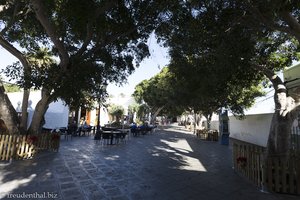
(56, 115)
(253, 129)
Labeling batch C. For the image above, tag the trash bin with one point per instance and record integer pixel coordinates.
(225, 139)
(224, 127)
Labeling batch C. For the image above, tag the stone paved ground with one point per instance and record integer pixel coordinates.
(166, 165)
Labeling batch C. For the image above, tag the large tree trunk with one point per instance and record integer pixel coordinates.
(7, 112)
(39, 113)
(286, 111)
(155, 114)
(280, 135)
(24, 118)
(27, 74)
(208, 120)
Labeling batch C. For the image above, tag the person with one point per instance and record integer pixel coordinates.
(133, 129)
(73, 127)
(143, 128)
(85, 125)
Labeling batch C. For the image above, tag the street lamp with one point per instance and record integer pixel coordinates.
(98, 120)
(101, 99)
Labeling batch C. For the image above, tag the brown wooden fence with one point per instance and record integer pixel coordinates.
(295, 139)
(275, 174)
(210, 135)
(25, 147)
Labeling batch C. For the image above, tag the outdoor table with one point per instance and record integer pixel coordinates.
(126, 131)
(113, 134)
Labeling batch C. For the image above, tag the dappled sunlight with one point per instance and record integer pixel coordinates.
(180, 148)
(73, 149)
(179, 145)
(115, 157)
(9, 186)
(85, 156)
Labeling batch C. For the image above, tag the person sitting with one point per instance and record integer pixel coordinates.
(133, 129)
(143, 128)
(73, 128)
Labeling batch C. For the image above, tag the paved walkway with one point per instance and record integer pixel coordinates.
(166, 165)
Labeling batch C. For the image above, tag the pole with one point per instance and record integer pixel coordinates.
(98, 120)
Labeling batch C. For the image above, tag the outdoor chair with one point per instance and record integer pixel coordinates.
(68, 134)
(65, 132)
(97, 136)
(134, 132)
(120, 137)
(106, 138)
(149, 129)
(78, 131)
(87, 130)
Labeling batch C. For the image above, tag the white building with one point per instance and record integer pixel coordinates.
(91, 117)
(254, 128)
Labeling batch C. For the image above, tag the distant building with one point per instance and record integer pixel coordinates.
(91, 117)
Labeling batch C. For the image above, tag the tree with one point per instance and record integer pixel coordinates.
(245, 41)
(95, 42)
(132, 110)
(11, 88)
(158, 93)
(7, 112)
(143, 112)
(116, 111)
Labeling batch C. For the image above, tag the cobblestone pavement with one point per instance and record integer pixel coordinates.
(168, 164)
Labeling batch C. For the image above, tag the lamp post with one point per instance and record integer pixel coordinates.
(98, 120)
(101, 95)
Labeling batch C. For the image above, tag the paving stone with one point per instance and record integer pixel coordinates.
(86, 182)
(160, 166)
(66, 179)
(68, 185)
(97, 195)
(120, 198)
(113, 192)
(75, 192)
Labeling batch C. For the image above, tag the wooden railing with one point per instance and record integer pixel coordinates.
(25, 147)
(275, 173)
(295, 139)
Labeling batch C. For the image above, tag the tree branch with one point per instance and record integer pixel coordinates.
(11, 49)
(89, 33)
(268, 22)
(293, 23)
(110, 39)
(108, 5)
(293, 27)
(40, 11)
(280, 96)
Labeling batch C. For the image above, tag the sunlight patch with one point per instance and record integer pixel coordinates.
(112, 157)
(181, 150)
(14, 184)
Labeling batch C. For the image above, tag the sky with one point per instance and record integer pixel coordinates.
(147, 69)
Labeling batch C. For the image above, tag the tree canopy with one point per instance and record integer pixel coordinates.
(94, 42)
(235, 45)
(159, 93)
(116, 111)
